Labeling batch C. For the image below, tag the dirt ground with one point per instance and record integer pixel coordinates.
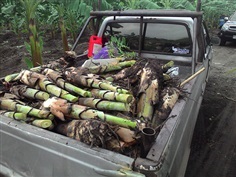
(13, 51)
(213, 147)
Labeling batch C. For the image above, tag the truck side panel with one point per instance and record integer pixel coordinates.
(32, 151)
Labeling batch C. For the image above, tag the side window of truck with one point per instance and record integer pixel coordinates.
(167, 38)
(157, 37)
(128, 30)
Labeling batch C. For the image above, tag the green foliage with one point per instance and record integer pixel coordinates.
(29, 63)
(30, 7)
(183, 4)
(232, 71)
(11, 16)
(17, 24)
(147, 4)
(61, 11)
(215, 8)
(118, 46)
(76, 14)
(27, 46)
(142, 4)
(35, 41)
(176, 4)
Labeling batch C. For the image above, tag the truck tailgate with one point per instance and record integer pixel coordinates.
(30, 151)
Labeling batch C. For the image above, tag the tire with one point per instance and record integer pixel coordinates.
(222, 42)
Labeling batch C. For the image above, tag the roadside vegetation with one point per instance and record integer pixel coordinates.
(38, 18)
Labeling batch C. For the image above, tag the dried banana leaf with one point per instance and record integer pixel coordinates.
(91, 132)
(126, 135)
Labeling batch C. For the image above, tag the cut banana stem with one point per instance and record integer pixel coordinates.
(14, 115)
(9, 104)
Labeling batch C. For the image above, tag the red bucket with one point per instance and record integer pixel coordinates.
(95, 44)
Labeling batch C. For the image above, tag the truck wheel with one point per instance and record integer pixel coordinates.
(222, 42)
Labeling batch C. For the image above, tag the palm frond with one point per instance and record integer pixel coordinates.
(147, 4)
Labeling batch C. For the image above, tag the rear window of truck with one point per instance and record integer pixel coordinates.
(157, 37)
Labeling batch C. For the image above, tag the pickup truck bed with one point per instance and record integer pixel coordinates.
(29, 151)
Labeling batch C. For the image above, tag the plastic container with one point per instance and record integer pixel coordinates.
(102, 54)
(95, 45)
(173, 71)
(180, 50)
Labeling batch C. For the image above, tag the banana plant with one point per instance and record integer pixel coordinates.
(61, 12)
(11, 16)
(35, 41)
(142, 4)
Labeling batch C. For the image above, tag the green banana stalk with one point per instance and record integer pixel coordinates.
(8, 104)
(112, 96)
(148, 93)
(147, 100)
(61, 12)
(40, 81)
(57, 78)
(166, 77)
(104, 104)
(169, 96)
(167, 66)
(91, 82)
(23, 91)
(15, 76)
(62, 109)
(14, 115)
(11, 77)
(42, 123)
(110, 67)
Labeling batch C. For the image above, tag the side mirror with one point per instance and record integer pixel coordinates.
(226, 19)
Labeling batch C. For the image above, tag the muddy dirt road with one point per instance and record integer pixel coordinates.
(214, 147)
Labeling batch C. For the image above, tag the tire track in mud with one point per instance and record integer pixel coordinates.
(218, 157)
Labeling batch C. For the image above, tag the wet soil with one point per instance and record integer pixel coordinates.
(214, 147)
(13, 51)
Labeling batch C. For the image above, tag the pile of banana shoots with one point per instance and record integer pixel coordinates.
(105, 106)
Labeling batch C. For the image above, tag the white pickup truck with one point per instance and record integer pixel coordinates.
(164, 35)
